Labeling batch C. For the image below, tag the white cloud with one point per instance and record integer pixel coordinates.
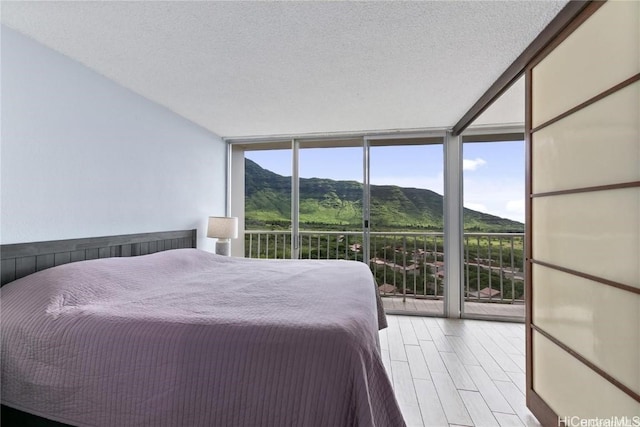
(501, 197)
(475, 206)
(516, 206)
(472, 164)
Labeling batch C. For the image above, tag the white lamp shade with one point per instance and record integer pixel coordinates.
(222, 227)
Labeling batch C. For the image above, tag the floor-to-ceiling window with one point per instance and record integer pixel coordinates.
(493, 218)
(381, 200)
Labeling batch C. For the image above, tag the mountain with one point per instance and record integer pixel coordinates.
(326, 204)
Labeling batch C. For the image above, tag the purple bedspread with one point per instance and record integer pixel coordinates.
(188, 338)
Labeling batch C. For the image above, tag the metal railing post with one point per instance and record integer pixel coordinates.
(404, 269)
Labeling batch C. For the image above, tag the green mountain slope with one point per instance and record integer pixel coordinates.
(326, 204)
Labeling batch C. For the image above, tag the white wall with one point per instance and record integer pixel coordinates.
(82, 156)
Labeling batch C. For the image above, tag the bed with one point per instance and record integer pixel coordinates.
(183, 337)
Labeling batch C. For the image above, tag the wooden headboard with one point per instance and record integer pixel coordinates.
(21, 259)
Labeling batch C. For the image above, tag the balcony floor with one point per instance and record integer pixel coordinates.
(436, 307)
(448, 372)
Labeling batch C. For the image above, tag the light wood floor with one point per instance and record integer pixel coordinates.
(449, 372)
(435, 307)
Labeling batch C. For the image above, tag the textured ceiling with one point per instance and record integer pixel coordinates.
(264, 68)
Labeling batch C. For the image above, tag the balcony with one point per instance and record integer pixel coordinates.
(409, 267)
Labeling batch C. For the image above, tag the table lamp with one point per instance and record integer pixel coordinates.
(224, 229)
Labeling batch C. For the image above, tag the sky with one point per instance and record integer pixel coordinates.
(493, 172)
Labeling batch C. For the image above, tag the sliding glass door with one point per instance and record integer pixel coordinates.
(406, 225)
(330, 201)
(378, 201)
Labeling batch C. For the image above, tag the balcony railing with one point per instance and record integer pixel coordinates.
(411, 264)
